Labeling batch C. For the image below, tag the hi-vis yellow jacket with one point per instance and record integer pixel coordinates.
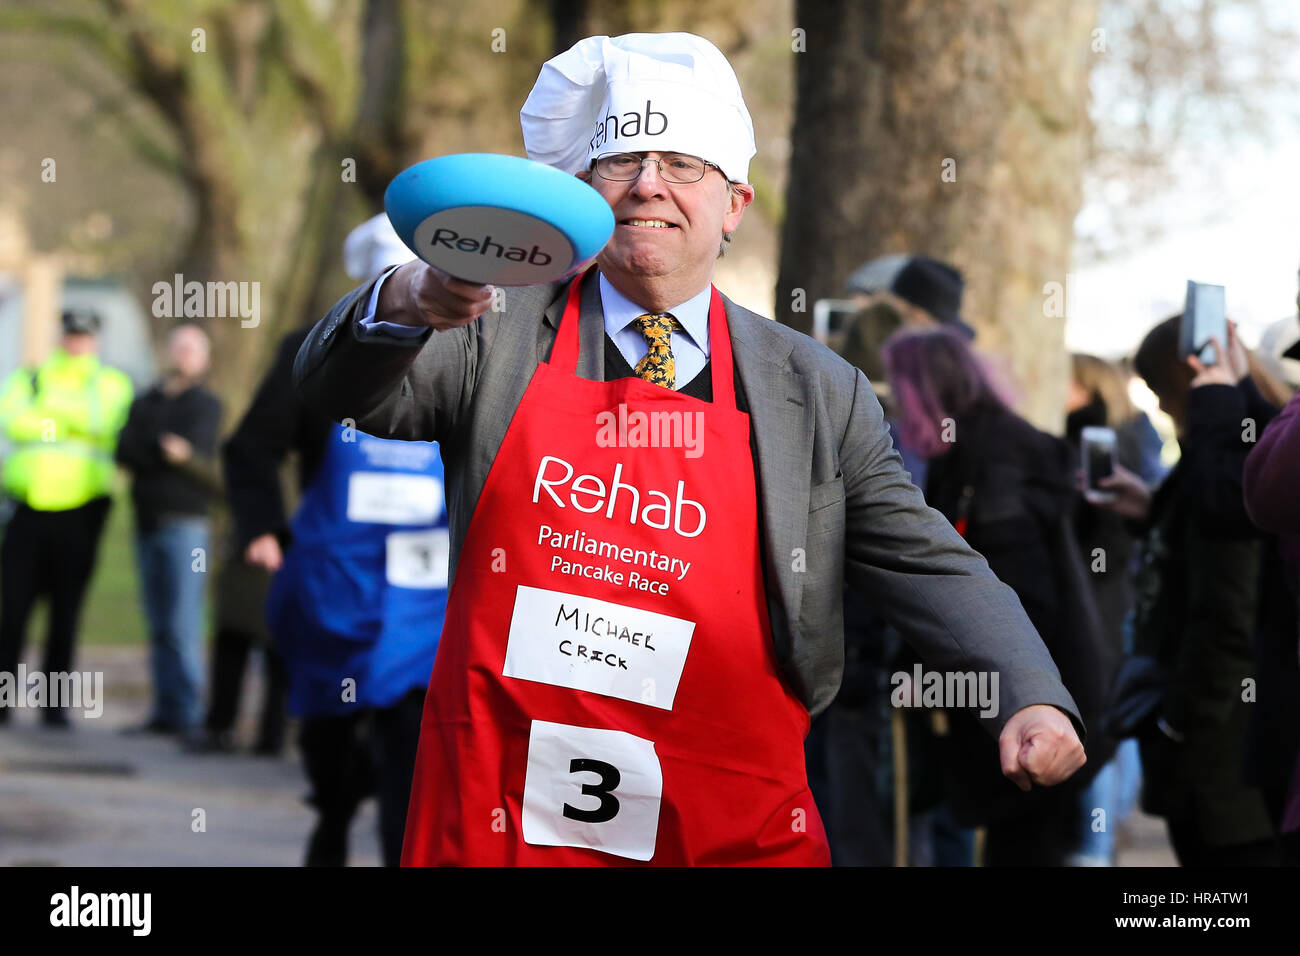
(61, 422)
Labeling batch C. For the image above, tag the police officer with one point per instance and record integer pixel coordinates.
(61, 421)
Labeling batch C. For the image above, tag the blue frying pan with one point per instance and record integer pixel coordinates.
(484, 217)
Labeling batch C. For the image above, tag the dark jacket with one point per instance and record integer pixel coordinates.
(1014, 487)
(276, 424)
(1272, 497)
(1197, 605)
(159, 488)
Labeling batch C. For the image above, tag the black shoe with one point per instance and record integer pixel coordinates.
(155, 726)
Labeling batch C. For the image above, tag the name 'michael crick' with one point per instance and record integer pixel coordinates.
(589, 494)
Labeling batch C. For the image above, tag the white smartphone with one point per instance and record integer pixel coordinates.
(830, 317)
(1204, 317)
(1097, 452)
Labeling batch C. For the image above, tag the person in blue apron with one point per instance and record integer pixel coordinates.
(356, 610)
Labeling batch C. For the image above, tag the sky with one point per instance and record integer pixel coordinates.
(1232, 217)
(1248, 241)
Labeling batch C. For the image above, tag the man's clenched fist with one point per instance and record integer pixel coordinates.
(418, 294)
(1038, 745)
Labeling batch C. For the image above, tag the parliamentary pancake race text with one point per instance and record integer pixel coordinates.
(574, 640)
(580, 542)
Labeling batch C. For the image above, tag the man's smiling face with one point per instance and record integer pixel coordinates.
(667, 234)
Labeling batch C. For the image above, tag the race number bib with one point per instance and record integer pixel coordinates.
(418, 559)
(592, 788)
(381, 497)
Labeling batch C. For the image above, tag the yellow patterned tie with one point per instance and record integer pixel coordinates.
(658, 366)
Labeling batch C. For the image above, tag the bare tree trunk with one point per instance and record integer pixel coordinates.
(381, 143)
(382, 140)
(568, 22)
(955, 128)
(272, 203)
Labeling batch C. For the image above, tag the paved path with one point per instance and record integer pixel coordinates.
(1144, 841)
(93, 797)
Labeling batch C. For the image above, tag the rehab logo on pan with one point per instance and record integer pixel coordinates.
(485, 243)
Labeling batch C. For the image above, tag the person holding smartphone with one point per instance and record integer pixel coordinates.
(1097, 403)
(1198, 603)
(1006, 487)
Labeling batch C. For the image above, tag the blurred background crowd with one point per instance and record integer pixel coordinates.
(991, 207)
(1163, 580)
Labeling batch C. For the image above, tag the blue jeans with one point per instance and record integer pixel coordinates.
(935, 838)
(1097, 847)
(1115, 790)
(174, 592)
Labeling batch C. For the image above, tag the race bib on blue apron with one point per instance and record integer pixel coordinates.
(357, 608)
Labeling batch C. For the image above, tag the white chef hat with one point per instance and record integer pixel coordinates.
(642, 91)
(372, 247)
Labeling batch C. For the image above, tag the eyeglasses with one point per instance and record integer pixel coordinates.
(673, 167)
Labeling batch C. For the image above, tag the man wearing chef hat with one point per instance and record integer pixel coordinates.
(639, 629)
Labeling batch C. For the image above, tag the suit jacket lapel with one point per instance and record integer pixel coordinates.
(591, 329)
(781, 420)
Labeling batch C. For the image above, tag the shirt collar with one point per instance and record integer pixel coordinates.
(693, 314)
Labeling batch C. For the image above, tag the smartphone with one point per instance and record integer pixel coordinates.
(1204, 317)
(830, 317)
(1097, 452)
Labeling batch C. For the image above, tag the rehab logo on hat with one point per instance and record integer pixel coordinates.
(637, 93)
(613, 127)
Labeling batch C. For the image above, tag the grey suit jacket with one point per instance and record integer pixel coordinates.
(836, 503)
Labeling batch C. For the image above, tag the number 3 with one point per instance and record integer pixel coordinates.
(617, 808)
(609, 780)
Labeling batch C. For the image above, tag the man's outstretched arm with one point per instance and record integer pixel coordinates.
(941, 596)
(410, 387)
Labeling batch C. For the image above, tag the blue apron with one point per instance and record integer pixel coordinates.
(357, 607)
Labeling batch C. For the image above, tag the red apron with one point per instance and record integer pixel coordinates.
(605, 690)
